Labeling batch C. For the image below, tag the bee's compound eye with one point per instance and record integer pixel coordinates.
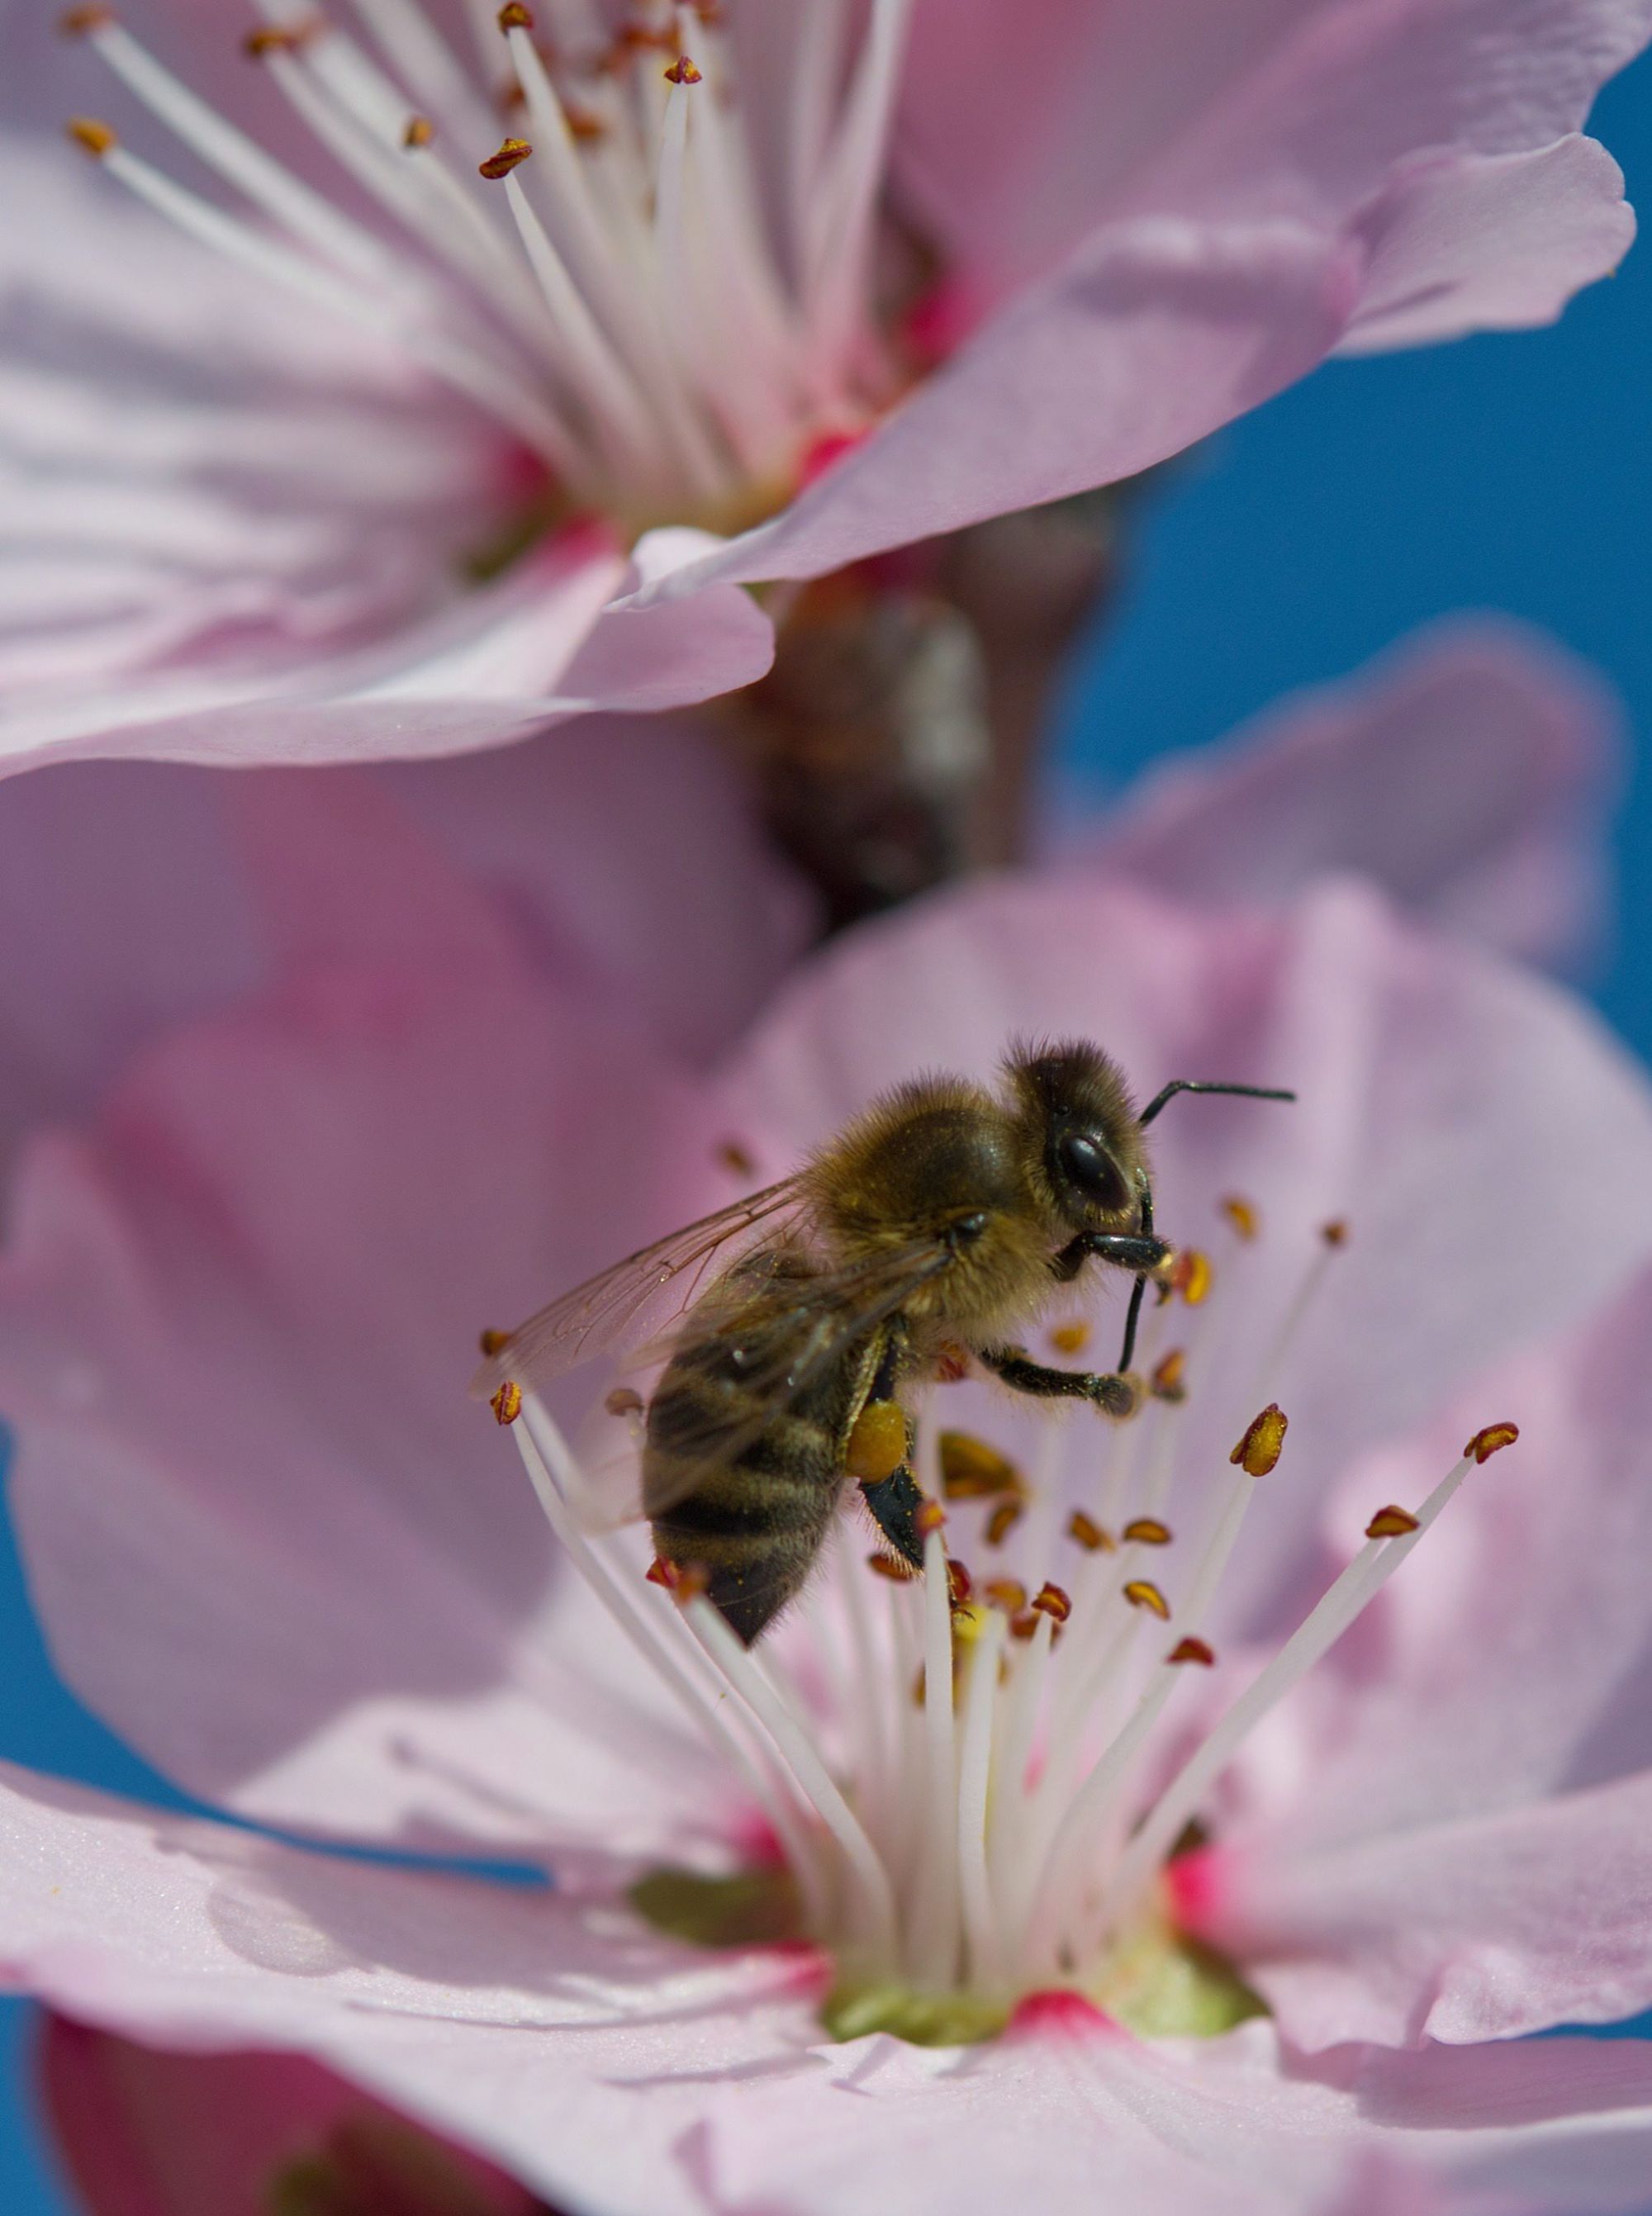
(1087, 1165)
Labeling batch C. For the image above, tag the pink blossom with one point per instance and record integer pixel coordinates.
(148, 2133)
(275, 1547)
(671, 364)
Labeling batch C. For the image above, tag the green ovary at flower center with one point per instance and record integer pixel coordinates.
(1156, 1982)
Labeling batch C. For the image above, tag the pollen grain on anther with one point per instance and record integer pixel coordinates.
(1094, 1537)
(1052, 1600)
(1141, 1592)
(94, 138)
(1491, 1441)
(507, 1402)
(511, 154)
(1242, 1214)
(1391, 1523)
(1264, 1435)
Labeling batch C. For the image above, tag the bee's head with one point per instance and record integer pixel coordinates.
(1084, 1149)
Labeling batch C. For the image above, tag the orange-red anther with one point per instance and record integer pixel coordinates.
(892, 1567)
(931, 1516)
(1148, 1531)
(1391, 1522)
(494, 1342)
(1002, 1521)
(1192, 1650)
(507, 1402)
(1190, 1276)
(511, 153)
(1242, 1217)
(1259, 1450)
(971, 1470)
(625, 1400)
(95, 137)
(1070, 1338)
(420, 132)
(662, 1572)
(682, 72)
(1088, 1533)
(1050, 1600)
(1023, 1625)
(1168, 1381)
(79, 22)
(878, 1443)
(692, 1579)
(1008, 1593)
(959, 1584)
(1492, 1440)
(1335, 1232)
(1140, 1592)
(730, 1154)
(586, 129)
(513, 17)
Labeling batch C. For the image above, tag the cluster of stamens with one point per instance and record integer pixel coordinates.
(958, 1767)
(662, 295)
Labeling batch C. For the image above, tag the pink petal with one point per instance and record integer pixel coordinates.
(144, 2132)
(1016, 146)
(1484, 1928)
(1488, 242)
(1155, 333)
(1466, 772)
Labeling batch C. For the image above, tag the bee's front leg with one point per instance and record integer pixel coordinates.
(1110, 1390)
(1129, 1249)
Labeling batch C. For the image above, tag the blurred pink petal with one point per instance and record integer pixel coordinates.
(1466, 770)
(144, 2132)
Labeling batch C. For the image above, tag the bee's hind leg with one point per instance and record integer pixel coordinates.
(895, 1501)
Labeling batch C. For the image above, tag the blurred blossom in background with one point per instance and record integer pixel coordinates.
(1511, 475)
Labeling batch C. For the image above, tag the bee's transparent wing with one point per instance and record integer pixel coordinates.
(797, 1344)
(635, 1301)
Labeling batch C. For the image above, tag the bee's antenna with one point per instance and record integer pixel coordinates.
(1204, 1085)
(1132, 1314)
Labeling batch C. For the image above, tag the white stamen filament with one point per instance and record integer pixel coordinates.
(625, 304)
(990, 1835)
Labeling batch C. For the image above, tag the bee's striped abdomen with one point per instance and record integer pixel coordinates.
(754, 1524)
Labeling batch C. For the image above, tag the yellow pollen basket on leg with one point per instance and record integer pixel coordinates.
(878, 1443)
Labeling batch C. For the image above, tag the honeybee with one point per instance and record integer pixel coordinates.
(945, 1216)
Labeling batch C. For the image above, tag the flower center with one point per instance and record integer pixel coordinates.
(664, 290)
(966, 1775)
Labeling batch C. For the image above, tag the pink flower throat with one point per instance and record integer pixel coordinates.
(664, 291)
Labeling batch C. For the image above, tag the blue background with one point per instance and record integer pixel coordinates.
(1502, 472)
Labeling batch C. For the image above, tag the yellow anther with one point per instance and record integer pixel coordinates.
(1492, 1440)
(1390, 1524)
(1070, 1338)
(682, 72)
(95, 137)
(514, 17)
(1259, 1450)
(1148, 1531)
(878, 1444)
(971, 1470)
(1008, 1593)
(1002, 1521)
(1168, 1381)
(1335, 1232)
(507, 1402)
(1190, 1276)
(931, 1516)
(511, 153)
(494, 1342)
(1241, 1215)
(420, 132)
(1090, 1534)
(1141, 1592)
